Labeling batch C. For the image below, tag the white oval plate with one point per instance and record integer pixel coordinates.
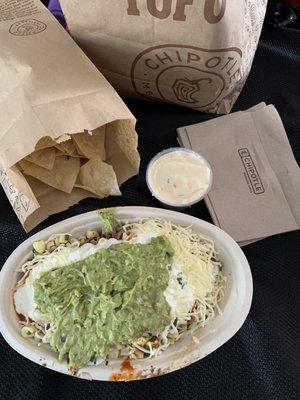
(235, 305)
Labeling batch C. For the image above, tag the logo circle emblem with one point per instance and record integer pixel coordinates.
(27, 27)
(185, 75)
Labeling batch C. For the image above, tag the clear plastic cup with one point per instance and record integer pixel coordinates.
(174, 205)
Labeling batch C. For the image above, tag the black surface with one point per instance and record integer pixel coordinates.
(260, 361)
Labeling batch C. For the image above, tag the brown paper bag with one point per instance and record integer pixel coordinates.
(52, 91)
(196, 53)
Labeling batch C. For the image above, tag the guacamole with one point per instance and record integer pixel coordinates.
(106, 300)
(109, 222)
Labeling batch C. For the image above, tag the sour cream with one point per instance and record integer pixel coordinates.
(179, 177)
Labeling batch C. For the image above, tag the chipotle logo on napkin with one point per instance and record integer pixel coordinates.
(196, 53)
(65, 134)
(251, 175)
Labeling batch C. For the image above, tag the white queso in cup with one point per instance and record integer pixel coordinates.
(179, 177)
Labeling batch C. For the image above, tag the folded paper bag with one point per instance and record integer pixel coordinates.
(52, 91)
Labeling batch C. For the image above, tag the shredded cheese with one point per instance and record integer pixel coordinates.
(194, 277)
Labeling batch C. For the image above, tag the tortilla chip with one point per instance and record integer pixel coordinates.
(21, 164)
(76, 154)
(39, 188)
(62, 176)
(78, 150)
(99, 178)
(91, 145)
(44, 143)
(66, 147)
(44, 158)
(59, 152)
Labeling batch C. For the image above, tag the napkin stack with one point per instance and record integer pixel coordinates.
(256, 179)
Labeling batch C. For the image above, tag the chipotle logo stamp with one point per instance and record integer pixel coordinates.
(27, 27)
(186, 75)
(251, 174)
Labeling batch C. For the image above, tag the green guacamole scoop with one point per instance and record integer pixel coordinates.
(106, 300)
